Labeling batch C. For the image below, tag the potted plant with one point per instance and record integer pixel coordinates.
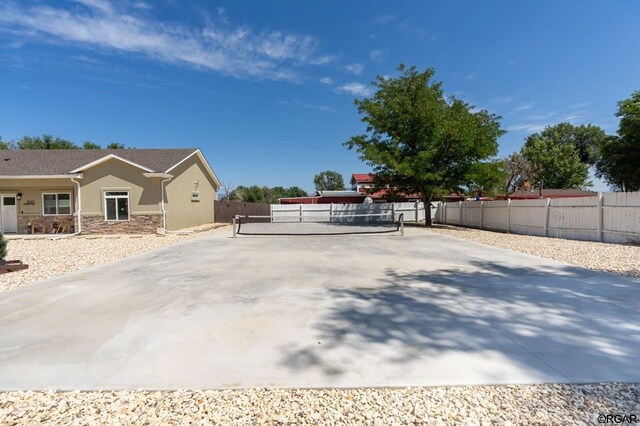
(8, 265)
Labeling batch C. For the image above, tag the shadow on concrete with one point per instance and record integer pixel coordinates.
(580, 323)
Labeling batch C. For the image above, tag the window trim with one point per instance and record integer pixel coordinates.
(116, 197)
(57, 213)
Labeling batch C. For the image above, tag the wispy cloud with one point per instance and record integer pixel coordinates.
(572, 117)
(528, 127)
(524, 107)
(235, 51)
(376, 55)
(299, 104)
(580, 105)
(384, 19)
(326, 80)
(356, 89)
(501, 100)
(355, 69)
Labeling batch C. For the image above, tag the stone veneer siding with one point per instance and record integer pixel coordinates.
(24, 221)
(137, 224)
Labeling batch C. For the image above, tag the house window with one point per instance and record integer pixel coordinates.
(116, 205)
(56, 204)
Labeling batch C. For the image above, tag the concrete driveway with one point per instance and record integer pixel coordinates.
(320, 312)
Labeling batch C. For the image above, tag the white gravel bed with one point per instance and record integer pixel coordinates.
(49, 258)
(617, 258)
(474, 405)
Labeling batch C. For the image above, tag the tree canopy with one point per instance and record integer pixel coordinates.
(418, 141)
(328, 180)
(554, 165)
(619, 162)
(585, 138)
(50, 142)
(44, 142)
(264, 194)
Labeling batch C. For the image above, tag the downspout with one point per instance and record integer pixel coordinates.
(164, 212)
(79, 201)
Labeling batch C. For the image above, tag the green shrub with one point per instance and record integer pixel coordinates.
(3, 246)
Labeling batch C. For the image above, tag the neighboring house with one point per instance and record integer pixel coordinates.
(105, 190)
(361, 181)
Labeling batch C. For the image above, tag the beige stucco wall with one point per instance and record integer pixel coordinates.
(32, 190)
(113, 175)
(182, 212)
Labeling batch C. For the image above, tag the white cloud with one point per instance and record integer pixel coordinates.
(376, 55)
(356, 89)
(524, 107)
(355, 69)
(529, 127)
(299, 104)
(326, 80)
(384, 20)
(580, 105)
(502, 99)
(218, 47)
(322, 60)
(571, 118)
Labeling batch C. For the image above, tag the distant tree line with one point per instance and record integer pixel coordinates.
(263, 194)
(51, 142)
(560, 156)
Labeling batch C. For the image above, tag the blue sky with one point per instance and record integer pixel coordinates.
(266, 89)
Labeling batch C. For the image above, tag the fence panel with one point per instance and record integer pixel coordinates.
(610, 217)
(573, 218)
(495, 215)
(621, 217)
(224, 211)
(528, 217)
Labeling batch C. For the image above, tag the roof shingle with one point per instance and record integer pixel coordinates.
(61, 161)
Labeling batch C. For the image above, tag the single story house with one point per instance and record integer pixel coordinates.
(105, 190)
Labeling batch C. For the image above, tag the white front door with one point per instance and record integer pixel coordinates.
(8, 213)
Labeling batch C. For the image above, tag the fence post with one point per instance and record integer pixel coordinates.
(393, 211)
(444, 212)
(331, 212)
(546, 217)
(508, 215)
(418, 211)
(600, 216)
(300, 212)
(234, 227)
(460, 212)
(481, 213)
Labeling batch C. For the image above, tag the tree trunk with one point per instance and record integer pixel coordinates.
(426, 200)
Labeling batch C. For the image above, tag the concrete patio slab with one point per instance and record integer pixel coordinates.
(337, 311)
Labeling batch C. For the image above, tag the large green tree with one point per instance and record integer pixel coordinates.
(585, 138)
(264, 194)
(554, 165)
(4, 144)
(328, 180)
(619, 162)
(90, 145)
(115, 145)
(419, 141)
(45, 142)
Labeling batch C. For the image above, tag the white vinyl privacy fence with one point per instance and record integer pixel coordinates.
(412, 212)
(609, 217)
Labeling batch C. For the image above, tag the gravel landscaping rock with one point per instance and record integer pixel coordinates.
(617, 258)
(473, 405)
(50, 257)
